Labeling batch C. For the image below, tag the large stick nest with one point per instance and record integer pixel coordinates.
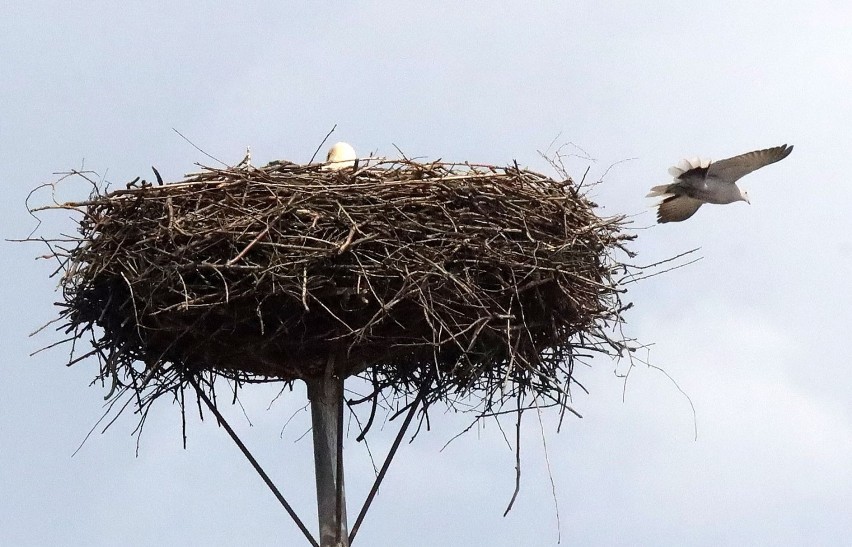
(489, 281)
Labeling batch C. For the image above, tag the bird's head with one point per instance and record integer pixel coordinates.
(340, 156)
(744, 197)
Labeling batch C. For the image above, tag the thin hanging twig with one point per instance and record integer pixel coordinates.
(386, 464)
(517, 458)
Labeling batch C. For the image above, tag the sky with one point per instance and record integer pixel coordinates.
(753, 333)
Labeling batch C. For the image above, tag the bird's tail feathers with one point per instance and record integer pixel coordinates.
(661, 190)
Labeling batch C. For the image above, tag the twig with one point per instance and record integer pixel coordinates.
(199, 149)
(248, 247)
(327, 135)
(517, 458)
(386, 465)
(550, 476)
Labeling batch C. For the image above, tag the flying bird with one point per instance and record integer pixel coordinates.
(340, 156)
(699, 181)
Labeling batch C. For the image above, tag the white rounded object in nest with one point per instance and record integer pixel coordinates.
(340, 156)
(699, 181)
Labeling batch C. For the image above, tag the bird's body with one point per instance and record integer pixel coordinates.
(699, 181)
(340, 156)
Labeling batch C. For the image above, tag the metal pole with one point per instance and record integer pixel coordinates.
(326, 396)
(253, 461)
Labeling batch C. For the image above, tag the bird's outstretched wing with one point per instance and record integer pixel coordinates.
(732, 169)
(677, 208)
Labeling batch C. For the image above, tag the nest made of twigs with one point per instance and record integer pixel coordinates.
(486, 278)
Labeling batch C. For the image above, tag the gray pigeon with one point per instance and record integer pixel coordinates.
(699, 181)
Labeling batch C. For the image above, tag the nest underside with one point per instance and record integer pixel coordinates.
(475, 277)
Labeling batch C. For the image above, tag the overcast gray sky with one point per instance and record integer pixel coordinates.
(756, 333)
